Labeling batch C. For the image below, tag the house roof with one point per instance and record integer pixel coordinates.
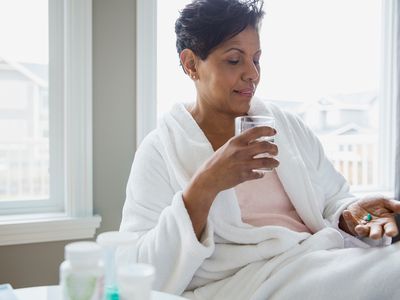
(348, 129)
(34, 72)
(354, 101)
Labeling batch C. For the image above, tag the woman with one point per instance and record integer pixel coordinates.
(216, 229)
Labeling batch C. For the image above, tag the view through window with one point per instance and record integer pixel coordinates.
(24, 107)
(321, 60)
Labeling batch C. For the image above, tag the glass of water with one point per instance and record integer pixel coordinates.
(246, 122)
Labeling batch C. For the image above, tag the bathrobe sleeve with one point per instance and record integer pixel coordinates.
(328, 181)
(158, 217)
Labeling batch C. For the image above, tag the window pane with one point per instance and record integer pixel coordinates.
(321, 60)
(24, 107)
(170, 76)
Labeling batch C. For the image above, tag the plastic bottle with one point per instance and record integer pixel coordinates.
(82, 272)
(113, 242)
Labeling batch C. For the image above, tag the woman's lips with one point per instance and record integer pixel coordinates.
(245, 92)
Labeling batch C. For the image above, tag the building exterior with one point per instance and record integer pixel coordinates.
(24, 131)
(347, 126)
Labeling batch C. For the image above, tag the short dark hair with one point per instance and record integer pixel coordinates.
(204, 24)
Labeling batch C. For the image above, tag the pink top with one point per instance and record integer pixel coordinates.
(264, 202)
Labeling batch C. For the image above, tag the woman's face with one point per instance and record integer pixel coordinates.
(228, 77)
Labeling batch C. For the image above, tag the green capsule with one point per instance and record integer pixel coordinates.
(368, 218)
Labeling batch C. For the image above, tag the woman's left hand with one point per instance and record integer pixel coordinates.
(382, 213)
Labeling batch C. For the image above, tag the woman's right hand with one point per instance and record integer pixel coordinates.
(231, 164)
(235, 161)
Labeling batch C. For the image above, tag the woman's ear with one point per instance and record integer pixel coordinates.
(188, 62)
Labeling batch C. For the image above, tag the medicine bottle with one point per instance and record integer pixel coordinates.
(82, 272)
(115, 244)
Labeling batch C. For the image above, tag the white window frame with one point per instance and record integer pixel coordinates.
(69, 213)
(146, 75)
(146, 68)
(388, 89)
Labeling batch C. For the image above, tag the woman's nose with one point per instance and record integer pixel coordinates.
(251, 73)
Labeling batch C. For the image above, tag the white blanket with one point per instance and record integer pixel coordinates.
(235, 260)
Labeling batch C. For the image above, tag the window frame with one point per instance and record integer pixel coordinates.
(69, 214)
(146, 68)
(388, 92)
(147, 74)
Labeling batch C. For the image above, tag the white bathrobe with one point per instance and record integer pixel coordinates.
(234, 260)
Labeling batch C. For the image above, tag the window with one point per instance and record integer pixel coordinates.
(24, 105)
(318, 63)
(45, 121)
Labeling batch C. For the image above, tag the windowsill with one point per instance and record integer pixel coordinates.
(46, 228)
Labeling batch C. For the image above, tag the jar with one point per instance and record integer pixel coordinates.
(82, 272)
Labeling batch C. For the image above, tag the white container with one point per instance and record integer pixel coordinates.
(135, 281)
(114, 243)
(82, 272)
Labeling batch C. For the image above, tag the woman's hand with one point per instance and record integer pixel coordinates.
(235, 161)
(230, 165)
(382, 212)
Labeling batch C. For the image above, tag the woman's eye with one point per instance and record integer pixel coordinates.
(233, 62)
(256, 62)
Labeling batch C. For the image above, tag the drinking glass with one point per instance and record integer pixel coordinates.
(246, 122)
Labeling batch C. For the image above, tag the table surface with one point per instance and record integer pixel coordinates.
(53, 292)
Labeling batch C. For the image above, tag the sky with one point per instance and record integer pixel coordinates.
(24, 30)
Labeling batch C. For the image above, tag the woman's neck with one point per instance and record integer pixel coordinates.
(217, 126)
